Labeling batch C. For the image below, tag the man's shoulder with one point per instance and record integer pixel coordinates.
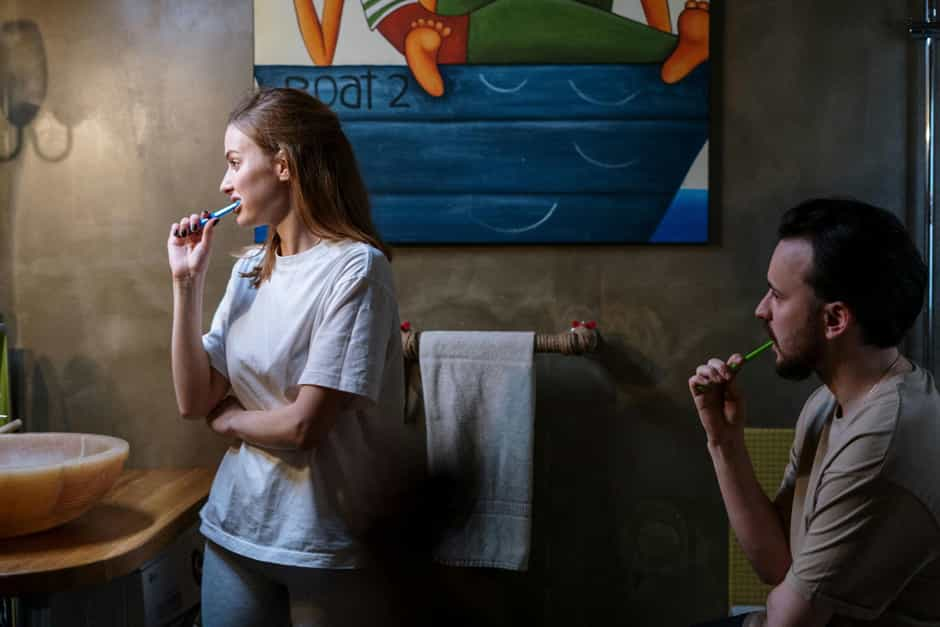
(907, 406)
(895, 436)
(821, 399)
(914, 455)
(818, 407)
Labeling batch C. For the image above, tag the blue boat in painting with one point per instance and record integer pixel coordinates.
(521, 153)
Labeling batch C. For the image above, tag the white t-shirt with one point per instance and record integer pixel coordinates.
(328, 316)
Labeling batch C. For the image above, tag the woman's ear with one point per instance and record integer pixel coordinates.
(281, 169)
(836, 318)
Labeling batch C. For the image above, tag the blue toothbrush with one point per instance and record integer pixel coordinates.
(221, 212)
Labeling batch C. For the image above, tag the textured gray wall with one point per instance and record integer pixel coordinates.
(137, 94)
(810, 99)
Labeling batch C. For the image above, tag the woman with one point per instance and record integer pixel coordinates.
(302, 367)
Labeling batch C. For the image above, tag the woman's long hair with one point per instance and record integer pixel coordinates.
(326, 185)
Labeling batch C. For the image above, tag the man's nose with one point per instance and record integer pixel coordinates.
(762, 311)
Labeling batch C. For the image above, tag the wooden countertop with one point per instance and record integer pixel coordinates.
(141, 515)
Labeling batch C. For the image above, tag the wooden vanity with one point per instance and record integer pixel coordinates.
(139, 517)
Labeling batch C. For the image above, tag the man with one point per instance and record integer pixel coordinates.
(853, 535)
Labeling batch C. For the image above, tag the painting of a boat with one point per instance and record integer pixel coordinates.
(522, 152)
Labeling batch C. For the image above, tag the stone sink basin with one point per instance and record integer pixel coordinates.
(47, 479)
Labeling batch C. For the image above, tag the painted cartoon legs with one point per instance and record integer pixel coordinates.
(320, 42)
(657, 14)
(431, 33)
(502, 31)
(558, 32)
(428, 40)
(421, 49)
(503, 27)
(693, 42)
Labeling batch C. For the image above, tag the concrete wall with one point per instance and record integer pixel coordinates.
(811, 98)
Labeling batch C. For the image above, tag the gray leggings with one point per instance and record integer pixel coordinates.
(241, 592)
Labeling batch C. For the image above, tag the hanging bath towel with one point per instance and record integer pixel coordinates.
(479, 402)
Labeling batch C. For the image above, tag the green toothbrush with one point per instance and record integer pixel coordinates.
(754, 353)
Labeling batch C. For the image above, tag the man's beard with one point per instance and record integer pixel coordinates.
(801, 365)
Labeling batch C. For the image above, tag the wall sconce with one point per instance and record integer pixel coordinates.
(23, 79)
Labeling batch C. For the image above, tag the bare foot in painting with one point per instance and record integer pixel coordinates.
(421, 47)
(693, 42)
(427, 40)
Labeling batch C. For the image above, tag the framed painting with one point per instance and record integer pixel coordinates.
(510, 121)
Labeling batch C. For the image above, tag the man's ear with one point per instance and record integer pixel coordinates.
(281, 169)
(836, 318)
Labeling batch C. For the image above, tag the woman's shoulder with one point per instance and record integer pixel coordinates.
(247, 258)
(248, 252)
(357, 260)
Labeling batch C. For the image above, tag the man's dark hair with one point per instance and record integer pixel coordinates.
(864, 257)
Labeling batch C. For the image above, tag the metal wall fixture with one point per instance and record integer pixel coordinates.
(23, 83)
(926, 31)
(22, 76)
